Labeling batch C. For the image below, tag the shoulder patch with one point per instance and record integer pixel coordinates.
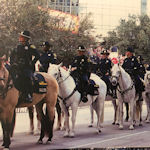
(32, 46)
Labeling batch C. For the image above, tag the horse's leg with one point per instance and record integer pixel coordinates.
(58, 109)
(39, 110)
(31, 116)
(139, 111)
(98, 106)
(127, 112)
(115, 112)
(120, 114)
(148, 108)
(132, 106)
(74, 112)
(13, 123)
(66, 122)
(6, 126)
(92, 116)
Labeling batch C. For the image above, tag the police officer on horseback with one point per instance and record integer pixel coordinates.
(47, 57)
(132, 67)
(80, 70)
(104, 71)
(23, 66)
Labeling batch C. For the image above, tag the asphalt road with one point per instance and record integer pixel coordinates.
(110, 137)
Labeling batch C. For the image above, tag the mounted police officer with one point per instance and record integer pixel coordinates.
(80, 69)
(142, 70)
(47, 57)
(132, 66)
(104, 71)
(23, 65)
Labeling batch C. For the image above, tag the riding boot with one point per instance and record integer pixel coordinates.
(84, 97)
(28, 98)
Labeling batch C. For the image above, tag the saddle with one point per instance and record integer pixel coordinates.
(39, 84)
(92, 88)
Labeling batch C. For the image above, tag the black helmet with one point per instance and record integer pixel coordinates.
(130, 49)
(105, 52)
(25, 34)
(81, 48)
(46, 44)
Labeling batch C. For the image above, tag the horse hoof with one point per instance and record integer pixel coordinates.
(37, 132)
(131, 128)
(98, 131)
(147, 121)
(71, 135)
(66, 135)
(5, 148)
(58, 129)
(48, 142)
(121, 127)
(39, 142)
(90, 126)
(140, 124)
(113, 123)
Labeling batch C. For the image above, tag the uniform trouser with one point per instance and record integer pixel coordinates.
(107, 81)
(23, 81)
(84, 83)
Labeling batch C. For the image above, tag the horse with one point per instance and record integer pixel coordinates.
(70, 97)
(9, 97)
(115, 105)
(125, 93)
(146, 94)
(31, 112)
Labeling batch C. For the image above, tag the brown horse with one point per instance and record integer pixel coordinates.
(9, 101)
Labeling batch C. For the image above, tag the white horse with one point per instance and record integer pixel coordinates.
(146, 94)
(70, 97)
(115, 105)
(125, 93)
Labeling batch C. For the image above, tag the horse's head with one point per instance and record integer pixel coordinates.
(148, 78)
(116, 72)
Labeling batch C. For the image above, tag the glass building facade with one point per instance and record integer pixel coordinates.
(106, 14)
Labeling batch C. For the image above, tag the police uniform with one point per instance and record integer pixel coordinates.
(47, 57)
(82, 63)
(104, 71)
(23, 66)
(142, 70)
(132, 67)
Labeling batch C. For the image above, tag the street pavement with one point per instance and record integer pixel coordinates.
(110, 137)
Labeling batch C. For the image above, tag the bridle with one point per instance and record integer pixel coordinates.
(59, 75)
(121, 91)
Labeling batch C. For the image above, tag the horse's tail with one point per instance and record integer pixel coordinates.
(13, 123)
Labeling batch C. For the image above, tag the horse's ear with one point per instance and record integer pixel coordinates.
(60, 65)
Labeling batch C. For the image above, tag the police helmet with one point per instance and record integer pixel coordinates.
(130, 49)
(25, 34)
(105, 52)
(81, 48)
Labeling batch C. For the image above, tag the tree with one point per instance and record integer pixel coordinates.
(133, 32)
(19, 15)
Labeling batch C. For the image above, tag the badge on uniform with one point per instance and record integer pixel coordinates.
(49, 54)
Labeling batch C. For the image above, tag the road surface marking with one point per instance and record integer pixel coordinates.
(116, 138)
